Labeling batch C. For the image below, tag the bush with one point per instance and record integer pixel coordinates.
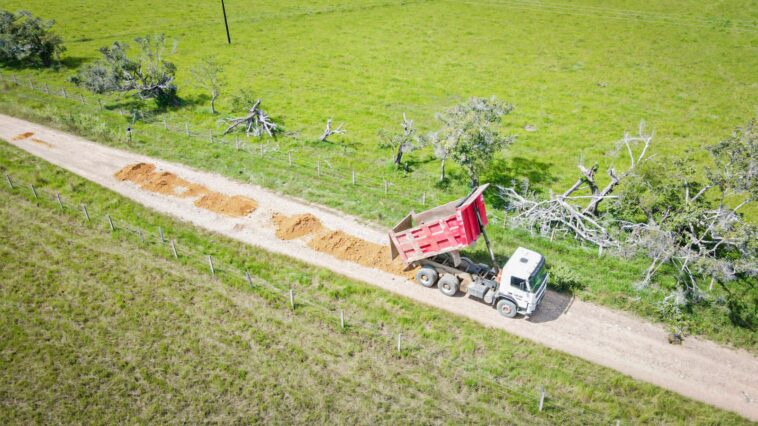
(564, 279)
(27, 40)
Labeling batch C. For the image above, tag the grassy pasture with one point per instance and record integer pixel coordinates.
(100, 326)
(582, 73)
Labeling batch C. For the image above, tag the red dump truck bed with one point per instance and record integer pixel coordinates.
(446, 228)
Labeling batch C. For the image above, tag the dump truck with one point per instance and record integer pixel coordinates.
(432, 241)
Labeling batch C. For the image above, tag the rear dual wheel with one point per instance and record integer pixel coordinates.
(448, 284)
(426, 277)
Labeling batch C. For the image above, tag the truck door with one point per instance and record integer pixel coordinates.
(519, 290)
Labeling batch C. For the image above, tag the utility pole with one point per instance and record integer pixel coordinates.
(226, 24)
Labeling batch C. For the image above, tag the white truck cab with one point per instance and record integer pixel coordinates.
(522, 283)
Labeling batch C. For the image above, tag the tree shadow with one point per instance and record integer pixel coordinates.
(552, 306)
(512, 171)
(73, 62)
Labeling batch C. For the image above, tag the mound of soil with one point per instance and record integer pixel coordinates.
(145, 176)
(291, 227)
(347, 247)
(41, 142)
(235, 205)
(23, 136)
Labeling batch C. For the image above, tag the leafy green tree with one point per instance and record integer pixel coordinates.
(469, 135)
(148, 77)
(27, 40)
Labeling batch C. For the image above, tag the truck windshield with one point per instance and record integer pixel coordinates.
(537, 278)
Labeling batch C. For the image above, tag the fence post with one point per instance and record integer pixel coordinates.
(82, 98)
(10, 182)
(58, 197)
(99, 103)
(47, 89)
(423, 199)
(342, 318)
(160, 232)
(353, 177)
(14, 79)
(542, 398)
(173, 250)
(141, 236)
(318, 168)
(249, 279)
(165, 125)
(289, 158)
(237, 142)
(31, 84)
(292, 298)
(63, 92)
(399, 337)
(210, 135)
(386, 186)
(86, 213)
(186, 128)
(600, 250)
(110, 222)
(34, 191)
(210, 263)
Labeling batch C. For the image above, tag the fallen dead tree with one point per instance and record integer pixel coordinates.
(256, 122)
(328, 131)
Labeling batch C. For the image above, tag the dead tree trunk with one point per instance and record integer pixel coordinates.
(329, 131)
(257, 122)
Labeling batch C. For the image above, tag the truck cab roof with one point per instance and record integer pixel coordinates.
(523, 263)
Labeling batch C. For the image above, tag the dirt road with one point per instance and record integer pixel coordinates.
(698, 369)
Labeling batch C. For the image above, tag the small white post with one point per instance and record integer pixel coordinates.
(186, 128)
(165, 124)
(600, 250)
(81, 97)
(289, 158)
(210, 135)
(160, 233)
(386, 186)
(399, 337)
(353, 177)
(237, 142)
(173, 250)
(542, 398)
(210, 263)
(318, 168)
(86, 213)
(292, 298)
(63, 92)
(110, 222)
(423, 199)
(31, 84)
(342, 319)
(47, 89)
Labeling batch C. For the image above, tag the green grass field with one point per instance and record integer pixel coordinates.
(102, 327)
(582, 73)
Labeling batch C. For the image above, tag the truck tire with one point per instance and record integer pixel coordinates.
(506, 308)
(448, 284)
(426, 277)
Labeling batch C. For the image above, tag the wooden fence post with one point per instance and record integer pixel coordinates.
(237, 142)
(99, 104)
(63, 92)
(210, 135)
(173, 250)
(86, 213)
(249, 279)
(542, 398)
(31, 84)
(34, 191)
(423, 199)
(58, 197)
(292, 298)
(353, 177)
(82, 98)
(210, 263)
(10, 182)
(165, 124)
(160, 232)
(289, 158)
(342, 318)
(318, 168)
(386, 186)
(47, 89)
(399, 337)
(186, 128)
(110, 222)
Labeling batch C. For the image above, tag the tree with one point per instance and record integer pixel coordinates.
(256, 122)
(206, 76)
(27, 40)
(328, 131)
(469, 135)
(147, 77)
(401, 143)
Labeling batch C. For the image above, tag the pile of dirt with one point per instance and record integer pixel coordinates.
(41, 142)
(347, 247)
(291, 227)
(22, 136)
(145, 176)
(234, 205)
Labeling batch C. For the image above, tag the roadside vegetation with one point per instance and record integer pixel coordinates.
(103, 325)
(546, 132)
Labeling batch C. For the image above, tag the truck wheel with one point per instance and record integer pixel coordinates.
(448, 285)
(426, 277)
(506, 308)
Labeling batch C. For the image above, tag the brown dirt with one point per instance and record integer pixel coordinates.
(347, 247)
(235, 205)
(22, 136)
(41, 142)
(144, 175)
(291, 227)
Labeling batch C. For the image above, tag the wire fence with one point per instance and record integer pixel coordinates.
(298, 299)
